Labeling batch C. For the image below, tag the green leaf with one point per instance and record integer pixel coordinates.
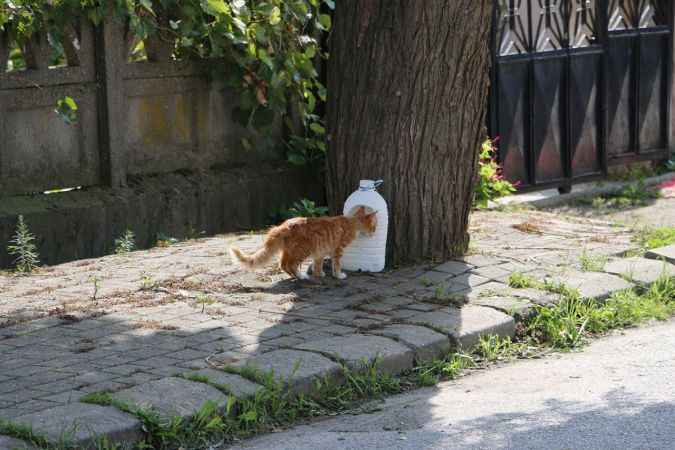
(70, 103)
(297, 159)
(311, 101)
(330, 3)
(275, 16)
(66, 108)
(265, 58)
(147, 5)
(317, 128)
(215, 7)
(325, 21)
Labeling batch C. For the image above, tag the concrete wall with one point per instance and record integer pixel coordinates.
(85, 224)
(154, 149)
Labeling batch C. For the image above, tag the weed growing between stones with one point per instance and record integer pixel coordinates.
(125, 243)
(518, 280)
(568, 324)
(96, 284)
(448, 368)
(23, 247)
(592, 263)
(632, 195)
(492, 348)
(22, 432)
(649, 238)
(148, 283)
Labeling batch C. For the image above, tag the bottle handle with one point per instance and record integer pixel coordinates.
(378, 183)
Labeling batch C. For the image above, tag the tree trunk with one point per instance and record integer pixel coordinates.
(408, 88)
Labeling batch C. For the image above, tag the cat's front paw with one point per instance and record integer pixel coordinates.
(341, 276)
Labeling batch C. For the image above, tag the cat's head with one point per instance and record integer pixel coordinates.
(367, 222)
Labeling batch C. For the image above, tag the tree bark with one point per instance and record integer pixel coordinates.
(408, 88)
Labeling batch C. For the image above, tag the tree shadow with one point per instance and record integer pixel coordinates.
(205, 320)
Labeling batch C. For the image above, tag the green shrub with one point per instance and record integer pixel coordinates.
(491, 182)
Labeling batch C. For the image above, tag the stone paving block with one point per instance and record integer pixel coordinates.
(641, 270)
(236, 385)
(65, 397)
(397, 301)
(432, 277)
(93, 377)
(469, 279)
(20, 395)
(110, 386)
(402, 314)
(138, 378)
(493, 272)
(667, 253)
(465, 325)
(297, 369)
(594, 285)
(36, 405)
(172, 396)
(513, 306)
(454, 267)
(194, 364)
(356, 348)
(82, 423)
(8, 443)
(535, 296)
(481, 260)
(187, 355)
(427, 343)
(337, 330)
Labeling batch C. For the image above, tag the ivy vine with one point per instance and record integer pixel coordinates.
(267, 50)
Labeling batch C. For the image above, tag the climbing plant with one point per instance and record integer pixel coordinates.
(266, 50)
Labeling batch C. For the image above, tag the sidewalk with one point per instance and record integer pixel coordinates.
(128, 323)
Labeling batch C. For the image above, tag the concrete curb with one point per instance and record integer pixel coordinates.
(549, 198)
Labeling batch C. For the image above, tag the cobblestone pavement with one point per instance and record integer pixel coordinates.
(120, 321)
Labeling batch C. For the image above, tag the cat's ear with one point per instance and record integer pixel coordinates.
(360, 212)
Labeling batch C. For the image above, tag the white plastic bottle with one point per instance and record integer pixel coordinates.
(367, 253)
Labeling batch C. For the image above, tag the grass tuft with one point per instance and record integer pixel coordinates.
(649, 238)
(519, 280)
(592, 263)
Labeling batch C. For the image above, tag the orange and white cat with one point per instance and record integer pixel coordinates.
(315, 237)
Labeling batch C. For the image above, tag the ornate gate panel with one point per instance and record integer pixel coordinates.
(578, 84)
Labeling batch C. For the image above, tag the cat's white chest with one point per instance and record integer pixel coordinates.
(367, 253)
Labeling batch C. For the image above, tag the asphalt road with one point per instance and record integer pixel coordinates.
(618, 393)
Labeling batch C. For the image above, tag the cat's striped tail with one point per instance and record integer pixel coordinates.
(272, 246)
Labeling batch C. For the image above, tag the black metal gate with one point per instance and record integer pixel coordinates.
(580, 85)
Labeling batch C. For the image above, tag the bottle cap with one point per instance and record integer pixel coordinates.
(369, 185)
